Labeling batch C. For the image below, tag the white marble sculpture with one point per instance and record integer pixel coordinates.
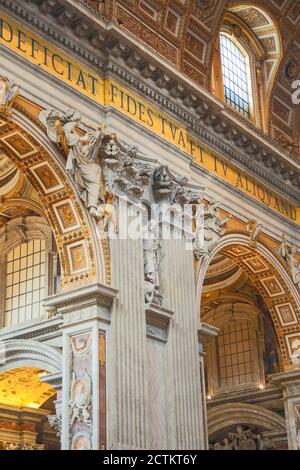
(151, 248)
(214, 228)
(254, 228)
(83, 154)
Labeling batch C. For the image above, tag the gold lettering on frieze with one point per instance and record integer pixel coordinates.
(42, 54)
(46, 177)
(109, 93)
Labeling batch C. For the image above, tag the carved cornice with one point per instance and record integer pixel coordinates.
(110, 50)
(93, 294)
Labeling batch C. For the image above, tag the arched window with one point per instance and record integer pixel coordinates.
(245, 61)
(25, 282)
(236, 75)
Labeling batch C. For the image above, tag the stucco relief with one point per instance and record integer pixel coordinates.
(55, 422)
(244, 439)
(80, 402)
(288, 254)
(151, 248)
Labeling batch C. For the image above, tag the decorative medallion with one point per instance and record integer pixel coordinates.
(81, 344)
(291, 70)
(81, 441)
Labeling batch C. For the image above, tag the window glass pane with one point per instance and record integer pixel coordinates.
(236, 355)
(25, 281)
(234, 66)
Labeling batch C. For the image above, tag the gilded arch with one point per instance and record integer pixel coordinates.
(272, 281)
(84, 259)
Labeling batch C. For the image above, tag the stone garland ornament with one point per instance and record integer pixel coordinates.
(288, 254)
(168, 192)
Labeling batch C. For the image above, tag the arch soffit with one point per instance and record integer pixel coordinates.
(219, 317)
(272, 282)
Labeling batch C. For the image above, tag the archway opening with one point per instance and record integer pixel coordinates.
(249, 298)
(26, 401)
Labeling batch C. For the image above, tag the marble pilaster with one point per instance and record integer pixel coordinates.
(290, 383)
